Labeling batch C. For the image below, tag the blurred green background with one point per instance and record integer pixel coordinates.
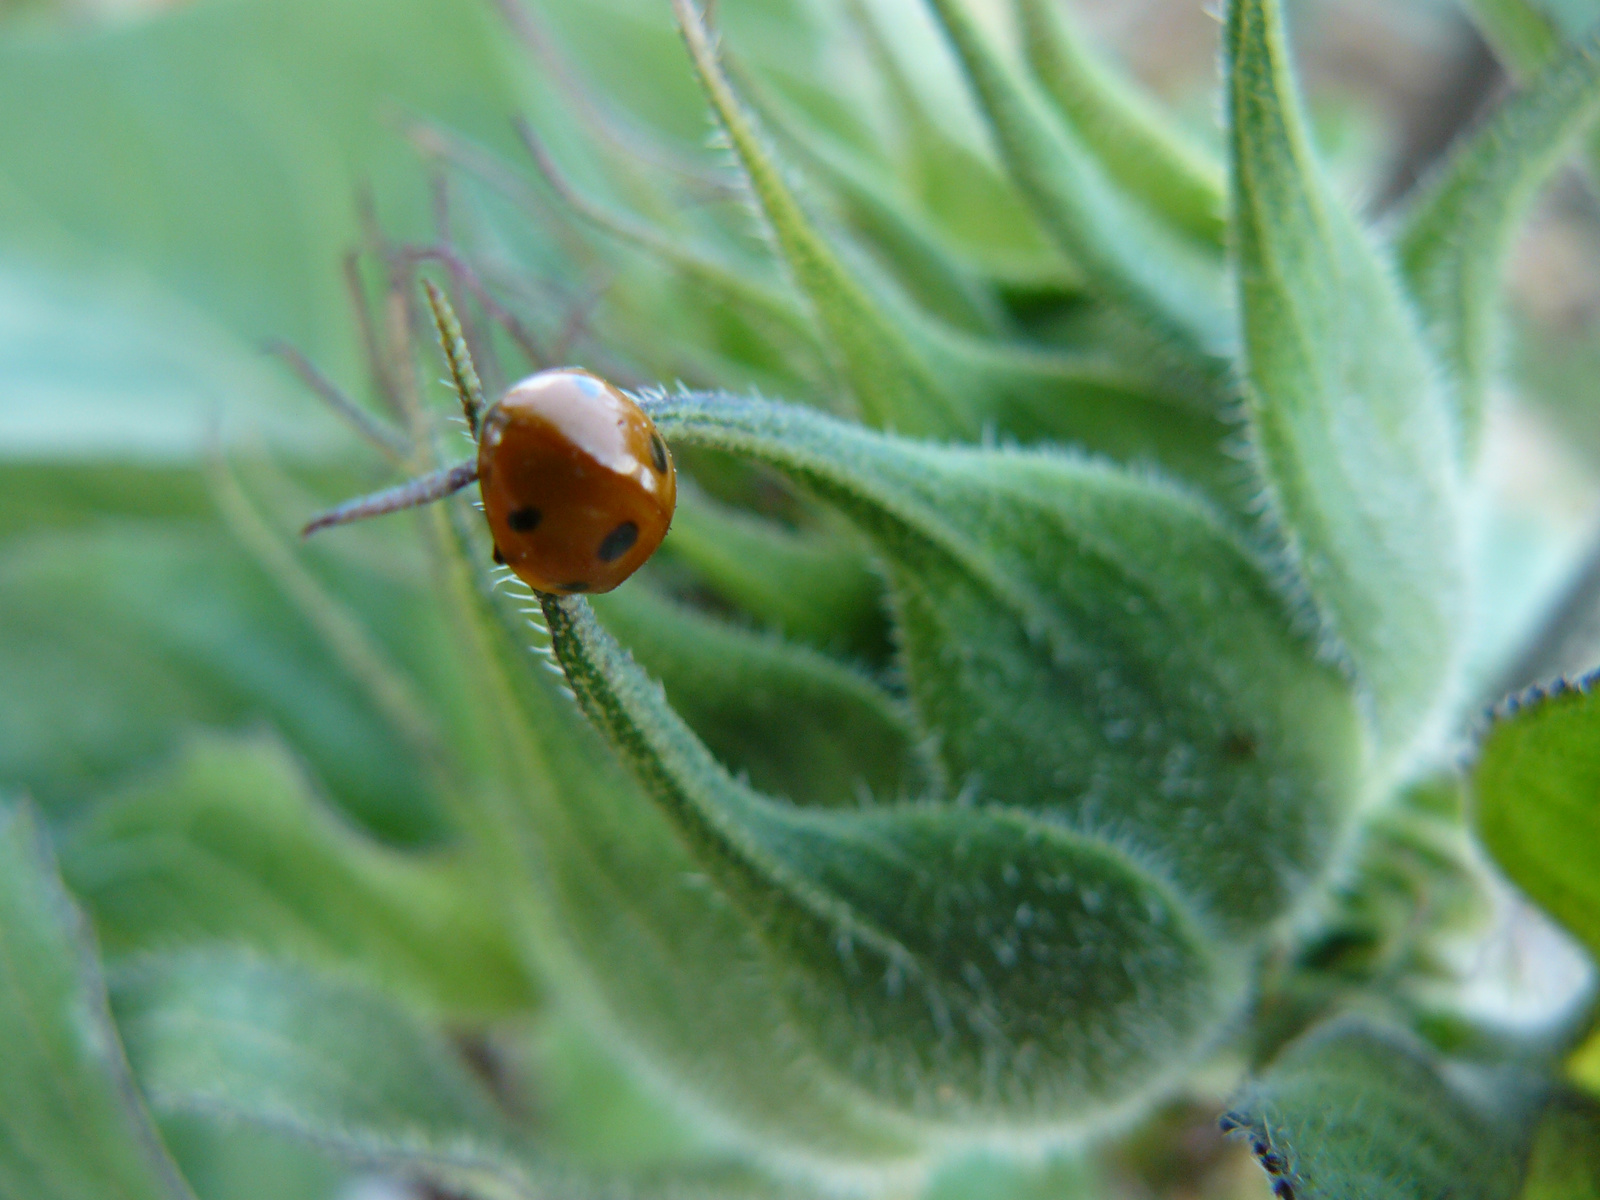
(180, 183)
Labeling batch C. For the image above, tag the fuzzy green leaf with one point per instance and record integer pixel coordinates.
(1064, 626)
(967, 965)
(230, 1037)
(1167, 283)
(1138, 146)
(231, 845)
(797, 723)
(909, 372)
(1457, 234)
(812, 585)
(875, 360)
(101, 680)
(1349, 420)
(1536, 782)
(72, 1123)
(1351, 1110)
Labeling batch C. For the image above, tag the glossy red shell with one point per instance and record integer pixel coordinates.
(577, 484)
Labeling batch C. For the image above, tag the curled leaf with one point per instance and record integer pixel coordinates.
(1076, 638)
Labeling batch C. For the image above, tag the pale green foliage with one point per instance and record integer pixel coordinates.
(72, 1126)
(1041, 750)
(1349, 417)
(230, 845)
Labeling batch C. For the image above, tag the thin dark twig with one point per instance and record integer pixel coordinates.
(389, 441)
(434, 486)
(634, 142)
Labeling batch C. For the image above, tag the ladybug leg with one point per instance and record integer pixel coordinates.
(434, 486)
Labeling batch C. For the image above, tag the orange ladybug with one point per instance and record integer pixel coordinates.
(578, 487)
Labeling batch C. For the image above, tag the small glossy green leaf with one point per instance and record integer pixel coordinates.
(966, 965)
(231, 845)
(72, 1123)
(798, 724)
(1349, 419)
(1139, 147)
(1535, 784)
(1064, 626)
(1172, 287)
(1565, 1163)
(1354, 1110)
(1457, 234)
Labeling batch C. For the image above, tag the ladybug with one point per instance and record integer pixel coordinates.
(578, 487)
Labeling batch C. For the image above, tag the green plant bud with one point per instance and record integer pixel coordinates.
(973, 967)
(1146, 768)
(1087, 643)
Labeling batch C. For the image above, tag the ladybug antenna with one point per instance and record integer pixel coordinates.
(459, 357)
(431, 487)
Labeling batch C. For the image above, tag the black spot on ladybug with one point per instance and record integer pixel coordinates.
(1273, 1164)
(499, 559)
(658, 453)
(1259, 1148)
(571, 588)
(618, 542)
(524, 520)
(1283, 1190)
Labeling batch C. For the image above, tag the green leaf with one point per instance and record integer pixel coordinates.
(903, 240)
(1063, 625)
(1519, 30)
(877, 364)
(909, 372)
(1138, 146)
(219, 150)
(103, 679)
(1354, 1110)
(799, 724)
(229, 1038)
(1565, 1163)
(1169, 285)
(1535, 783)
(1349, 422)
(811, 584)
(1456, 235)
(231, 845)
(968, 966)
(72, 1124)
